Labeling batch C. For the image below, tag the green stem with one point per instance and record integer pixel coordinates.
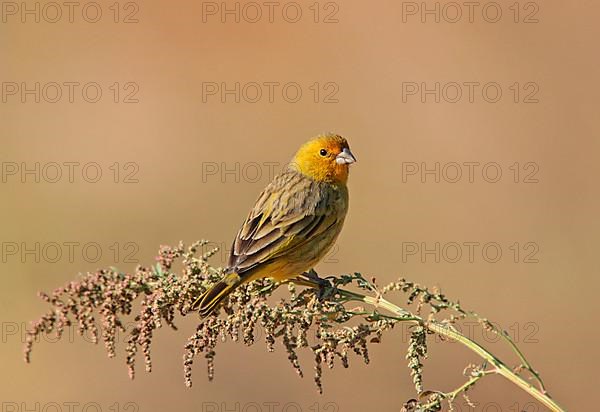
(450, 396)
(465, 386)
(500, 367)
(506, 337)
(524, 360)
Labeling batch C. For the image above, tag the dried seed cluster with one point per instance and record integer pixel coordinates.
(110, 294)
(315, 319)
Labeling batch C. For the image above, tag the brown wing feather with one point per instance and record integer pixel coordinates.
(290, 211)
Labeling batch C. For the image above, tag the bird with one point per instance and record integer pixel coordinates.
(293, 224)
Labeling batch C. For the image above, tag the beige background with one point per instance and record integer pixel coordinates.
(173, 136)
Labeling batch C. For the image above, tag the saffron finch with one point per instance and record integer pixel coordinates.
(293, 224)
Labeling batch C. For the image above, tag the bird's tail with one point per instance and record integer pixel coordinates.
(210, 299)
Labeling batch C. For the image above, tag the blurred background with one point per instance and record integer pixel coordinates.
(129, 125)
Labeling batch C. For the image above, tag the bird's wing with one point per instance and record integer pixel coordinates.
(291, 211)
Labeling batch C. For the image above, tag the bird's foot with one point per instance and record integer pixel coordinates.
(324, 286)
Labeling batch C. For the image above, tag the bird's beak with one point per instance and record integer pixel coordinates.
(345, 157)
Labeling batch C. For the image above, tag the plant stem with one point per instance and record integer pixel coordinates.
(506, 337)
(524, 361)
(500, 367)
(465, 386)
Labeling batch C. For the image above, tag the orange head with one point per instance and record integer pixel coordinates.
(326, 158)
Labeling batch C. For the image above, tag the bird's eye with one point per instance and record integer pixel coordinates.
(323, 152)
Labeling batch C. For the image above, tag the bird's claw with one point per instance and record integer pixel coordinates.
(325, 287)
